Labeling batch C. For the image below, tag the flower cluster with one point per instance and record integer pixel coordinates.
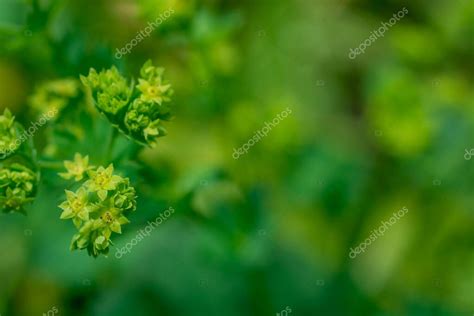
(137, 110)
(10, 132)
(98, 207)
(17, 187)
(109, 90)
(77, 168)
(54, 95)
(18, 180)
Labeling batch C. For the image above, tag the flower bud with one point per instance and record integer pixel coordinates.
(139, 111)
(17, 187)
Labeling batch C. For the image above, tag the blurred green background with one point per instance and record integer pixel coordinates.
(272, 229)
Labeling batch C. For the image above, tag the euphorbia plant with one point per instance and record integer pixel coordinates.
(98, 200)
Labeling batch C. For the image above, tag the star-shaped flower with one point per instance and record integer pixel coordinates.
(76, 206)
(98, 209)
(102, 180)
(111, 219)
(76, 168)
(153, 90)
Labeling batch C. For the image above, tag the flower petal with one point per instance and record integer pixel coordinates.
(102, 194)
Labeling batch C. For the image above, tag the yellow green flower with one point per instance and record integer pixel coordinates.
(151, 84)
(111, 218)
(125, 197)
(98, 209)
(17, 187)
(10, 138)
(110, 91)
(76, 206)
(76, 168)
(137, 110)
(102, 180)
(54, 95)
(14, 200)
(154, 91)
(144, 122)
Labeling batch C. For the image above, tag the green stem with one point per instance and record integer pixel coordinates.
(50, 164)
(110, 145)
